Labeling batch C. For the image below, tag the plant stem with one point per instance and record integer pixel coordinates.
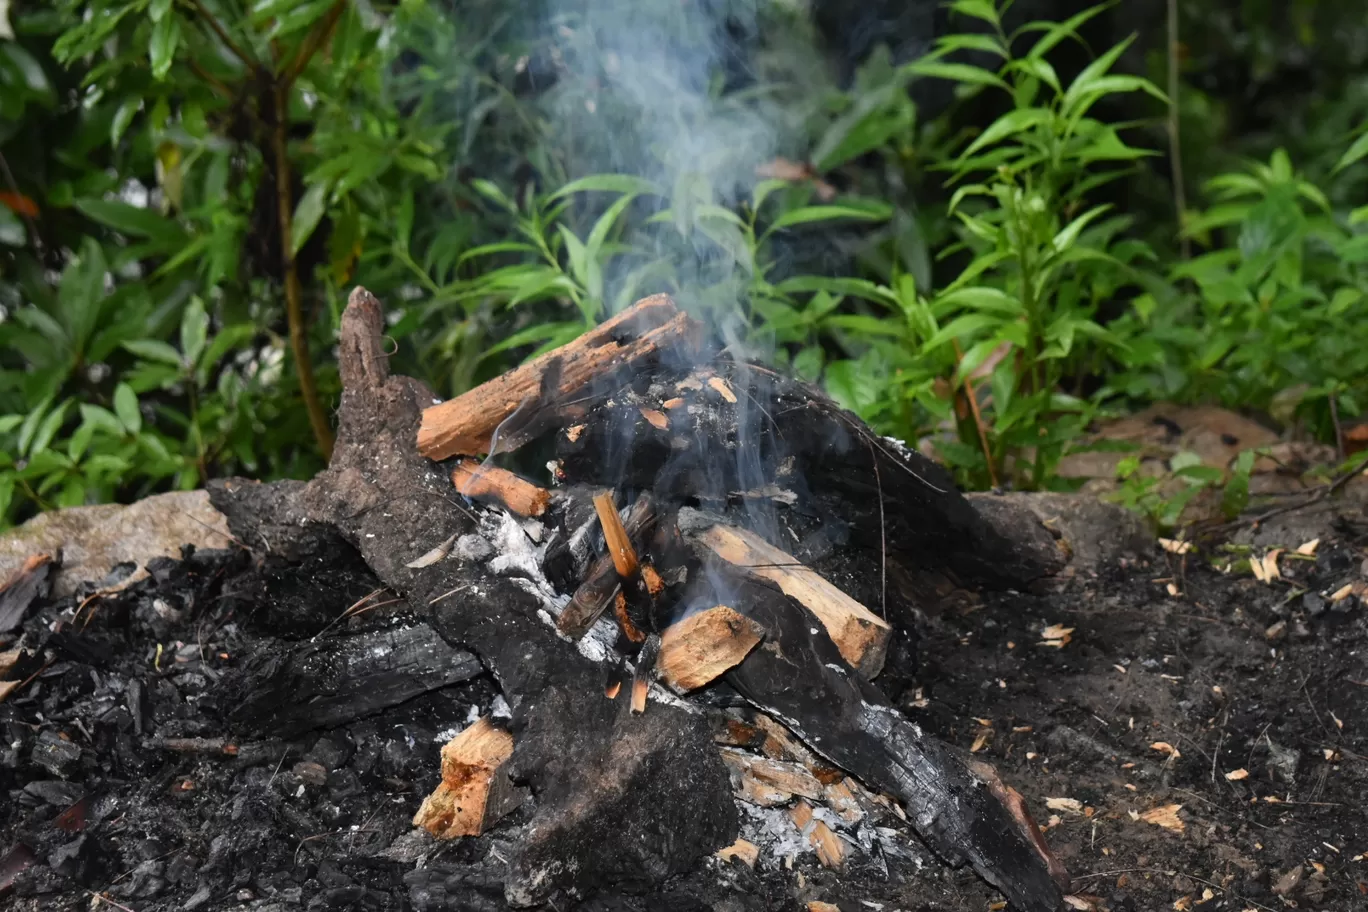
(1175, 141)
(972, 395)
(294, 292)
(217, 28)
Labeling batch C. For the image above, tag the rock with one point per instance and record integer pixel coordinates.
(1095, 535)
(93, 540)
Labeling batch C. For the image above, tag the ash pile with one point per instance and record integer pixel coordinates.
(684, 650)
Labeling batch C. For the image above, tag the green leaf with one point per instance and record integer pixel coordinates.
(980, 298)
(856, 288)
(1056, 32)
(122, 118)
(874, 119)
(48, 429)
(979, 9)
(539, 332)
(1069, 233)
(608, 183)
(599, 233)
(135, 221)
(194, 330)
(28, 67)
(307, 215)
(808, 214)
(1094, 71)
(961, 328)
(154, 350)
(498, 247)
(126, 408)
(162, 49)
(1357, 151)
(1235, 497)
(955, 72)
(1008, 124)
(10, 422)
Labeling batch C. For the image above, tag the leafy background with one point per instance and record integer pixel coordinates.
(980, 225)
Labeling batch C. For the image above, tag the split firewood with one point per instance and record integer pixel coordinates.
(860, 635)
(644, 672)
(770, 782)
(701, 647)
(619, 543)
(830, 848)
(491, 483)
(466, 425)
(475, 791)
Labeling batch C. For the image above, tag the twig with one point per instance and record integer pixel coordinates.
(1175, 140)
(294, 292)
(317, 37)
(972, 396)
(883, 538)
(222, 33)
(1339, 430)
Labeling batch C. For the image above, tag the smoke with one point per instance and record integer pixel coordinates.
(694, 96)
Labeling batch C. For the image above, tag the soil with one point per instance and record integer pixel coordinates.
(1233, 674)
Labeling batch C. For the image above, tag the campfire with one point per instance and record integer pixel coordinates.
(698, 608)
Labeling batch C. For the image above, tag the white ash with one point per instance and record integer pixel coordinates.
(773, 831)
(535, 529)
(519, 558)
(582, 544)
(499, 708)
(473, 548)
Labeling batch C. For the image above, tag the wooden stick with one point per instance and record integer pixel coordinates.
(644, 672)
(698, 649)
(466, 424)
(615, 534)
(601, 583)
(475, 790)
(860, 635)
(515, 494)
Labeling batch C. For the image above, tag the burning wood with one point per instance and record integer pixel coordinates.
(625, 414)
(491, 483)
(466, 425)
(475, 791)
(860, 635)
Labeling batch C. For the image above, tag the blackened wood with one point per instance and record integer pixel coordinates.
(601, 584)
(796, 676)
(619, 797)
(29, 583)
(333, 681)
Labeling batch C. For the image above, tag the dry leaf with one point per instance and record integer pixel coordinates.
(1056, 635)
(1164, 747)
(1338, 722)
(1308, 548)
(437, 554)
(1166, 817)
(1071, 805)
(1237, 775)
(1342, 593)
(1081, 903)
(1175, 546)
(722, 389)
(1183, 903)
(1270, 565)
(981, 740)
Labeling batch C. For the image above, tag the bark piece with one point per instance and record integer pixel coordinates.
(700, 648)
(830, 848)
(632, 339)
(28, 583)
(475, 791)
(491, 483)
(860, 635)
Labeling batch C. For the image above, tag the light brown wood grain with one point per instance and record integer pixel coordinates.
(700, 648)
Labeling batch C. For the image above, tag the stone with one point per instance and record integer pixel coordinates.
(93, 540)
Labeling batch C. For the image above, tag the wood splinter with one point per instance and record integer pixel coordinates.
(601, 584)
(515, 494)
(475, 791)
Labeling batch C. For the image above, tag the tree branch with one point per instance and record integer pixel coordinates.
(294, 292)
(217, 28)
(318, 36)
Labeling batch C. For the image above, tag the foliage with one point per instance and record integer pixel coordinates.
(982, 277)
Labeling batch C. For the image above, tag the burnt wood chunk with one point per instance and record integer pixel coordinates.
(635, 338)
(29, 583)
(333, 681)
(475, 791)
(696, 650)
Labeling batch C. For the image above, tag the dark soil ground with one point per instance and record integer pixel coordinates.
(1234, 674)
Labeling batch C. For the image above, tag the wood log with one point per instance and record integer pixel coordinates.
(475, 791)
(860, 635)
(465, 425)
(491, 483)
(700, 648)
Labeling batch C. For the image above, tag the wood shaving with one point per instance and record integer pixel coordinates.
(1308, 548)
(1175, 546)
(1164, 747)
(981, 740)
(722, 389)
(1165, 816)
(1237, 775)
(1056, 636)
(1068, 805)
(1342, 593)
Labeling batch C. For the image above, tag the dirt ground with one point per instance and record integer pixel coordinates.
(1191, 738)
